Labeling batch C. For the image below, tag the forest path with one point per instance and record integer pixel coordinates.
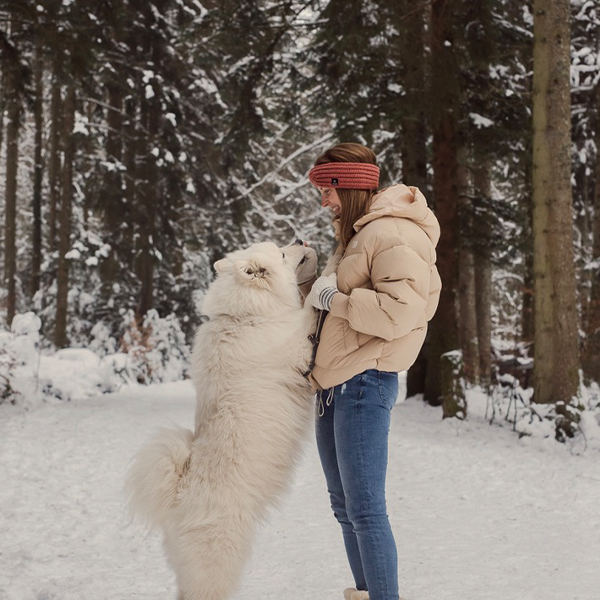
(477, 513)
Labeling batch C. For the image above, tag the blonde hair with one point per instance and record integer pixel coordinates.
(355, 203)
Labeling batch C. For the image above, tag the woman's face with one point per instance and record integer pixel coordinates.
(330, 198)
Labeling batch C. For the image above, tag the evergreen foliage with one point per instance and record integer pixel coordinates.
(196, 122)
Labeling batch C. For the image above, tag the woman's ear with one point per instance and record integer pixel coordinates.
(223, 265)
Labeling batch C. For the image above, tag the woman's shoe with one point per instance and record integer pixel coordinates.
(354, 594)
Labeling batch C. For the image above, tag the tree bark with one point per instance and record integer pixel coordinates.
(527, 309)
(445, 98)
(150, 119)
(13, 113)
(54, 162)
(483, 277)
(452, 375)
(414, 133)
(469, 342)
(130, 162)
(113, 207)
(2, 104)
(36, 259)
(590, 362)
(556, 358)
(60, 332)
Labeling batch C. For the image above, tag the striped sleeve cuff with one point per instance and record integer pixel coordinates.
(326, 296)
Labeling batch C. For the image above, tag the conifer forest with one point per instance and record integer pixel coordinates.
(141, 140)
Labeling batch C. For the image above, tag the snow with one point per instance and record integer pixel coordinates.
(73, 254)
(479, 121)
(478, 514)
(81, 124)
(153, 351)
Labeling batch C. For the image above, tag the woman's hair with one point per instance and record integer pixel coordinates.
(355, 203)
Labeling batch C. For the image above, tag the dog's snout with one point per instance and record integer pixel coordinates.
(299, 242)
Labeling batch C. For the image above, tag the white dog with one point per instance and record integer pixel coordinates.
(208, 490)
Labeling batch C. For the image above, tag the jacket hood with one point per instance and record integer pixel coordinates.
(406, 202)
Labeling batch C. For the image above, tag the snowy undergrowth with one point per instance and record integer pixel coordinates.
(152, 351)
(510, 405)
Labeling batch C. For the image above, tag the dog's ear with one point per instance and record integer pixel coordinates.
(223, 265)
(250, 269)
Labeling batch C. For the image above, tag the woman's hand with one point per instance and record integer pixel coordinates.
(307, 269)
(323, 291)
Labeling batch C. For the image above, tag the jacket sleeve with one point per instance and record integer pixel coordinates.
(400, 279)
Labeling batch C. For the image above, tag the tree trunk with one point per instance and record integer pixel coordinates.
(414, 134)
(590, 360)
(2, 105)
(469, 340)
(445, 97)
(483, 277)
(54, 154)
(556, 358)
(113, 207)
(527, 309)
(451, 366)
(466, 276)
(150, 118)
(13, 111)
(130, 175)
(60, 332)
(36, 259)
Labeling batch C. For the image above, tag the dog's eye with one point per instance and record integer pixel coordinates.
(303, 260)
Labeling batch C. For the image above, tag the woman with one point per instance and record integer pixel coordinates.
(381, 287)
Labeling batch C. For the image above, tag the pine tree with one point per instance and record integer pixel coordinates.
(36, 258)
(585, 110)
(556, 341)
(13, 78)
(445, 97)
(65, 216)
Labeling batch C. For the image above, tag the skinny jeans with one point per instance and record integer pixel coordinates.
(352, 430)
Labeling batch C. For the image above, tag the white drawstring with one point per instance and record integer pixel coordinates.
(328, 400)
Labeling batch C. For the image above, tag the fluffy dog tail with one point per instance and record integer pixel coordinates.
(155, 475)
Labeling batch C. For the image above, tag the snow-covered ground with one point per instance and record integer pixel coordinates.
(478, 514)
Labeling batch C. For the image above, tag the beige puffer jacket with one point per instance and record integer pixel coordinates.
(389, 288)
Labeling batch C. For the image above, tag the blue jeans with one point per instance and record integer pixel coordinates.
(352, 430)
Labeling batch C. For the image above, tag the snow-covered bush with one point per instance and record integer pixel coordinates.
(509, 403)
(76, 373)
(102, 342)
(151, 351)
(19, 359)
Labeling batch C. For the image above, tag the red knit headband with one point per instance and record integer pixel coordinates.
(345, 175)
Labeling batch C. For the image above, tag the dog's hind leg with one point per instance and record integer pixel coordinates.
(210, 562)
